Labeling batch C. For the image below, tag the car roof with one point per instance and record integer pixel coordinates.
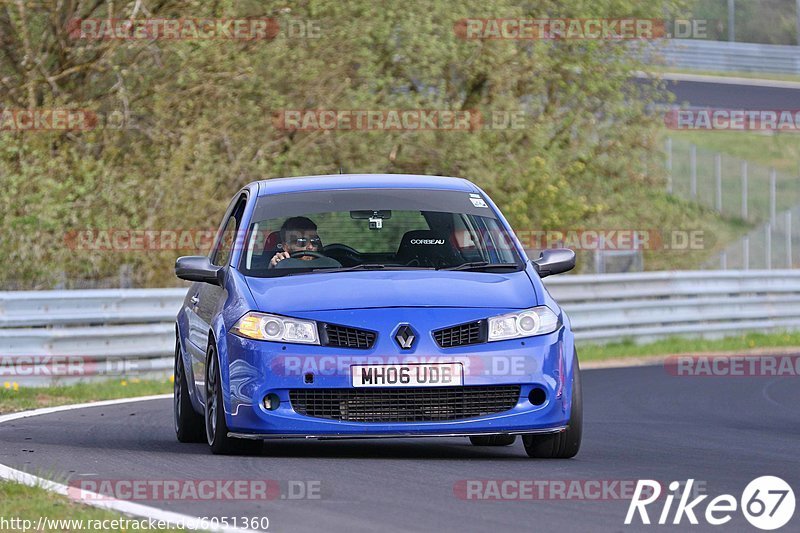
(363, 181)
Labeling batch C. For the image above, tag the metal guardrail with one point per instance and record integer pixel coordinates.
(726, 56)
(650, 306)
(130, 331)
(69, 336)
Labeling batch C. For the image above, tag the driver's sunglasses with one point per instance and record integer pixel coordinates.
(302, 242)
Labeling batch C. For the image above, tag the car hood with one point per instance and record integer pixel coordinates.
(406, 288)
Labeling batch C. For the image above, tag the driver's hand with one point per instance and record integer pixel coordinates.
(280, 256)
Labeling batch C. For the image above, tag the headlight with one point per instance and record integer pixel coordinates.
(275, 328)
(527, 323)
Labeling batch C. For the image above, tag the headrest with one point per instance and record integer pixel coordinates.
(430, 247)
(272, 241)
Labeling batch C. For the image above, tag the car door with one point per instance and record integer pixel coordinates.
(208, 299)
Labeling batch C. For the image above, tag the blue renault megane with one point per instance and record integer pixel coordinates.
(353, 306)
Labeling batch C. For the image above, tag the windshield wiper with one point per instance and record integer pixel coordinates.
(367, 266)
(364, 266)
(477, 265)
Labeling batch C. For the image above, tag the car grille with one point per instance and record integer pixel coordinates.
(413, 404)
(345, 337)
(461, 335)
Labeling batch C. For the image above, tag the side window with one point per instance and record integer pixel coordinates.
(228, 239)
(498, 241)
(468, 238)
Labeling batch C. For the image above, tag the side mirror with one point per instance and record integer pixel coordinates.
(555, 261)
(198, 268)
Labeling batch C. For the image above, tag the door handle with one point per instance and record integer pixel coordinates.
(194, 300)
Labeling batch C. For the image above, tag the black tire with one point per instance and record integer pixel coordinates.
(216, 429)
(493, 440)
(189, 425)
(566, 444)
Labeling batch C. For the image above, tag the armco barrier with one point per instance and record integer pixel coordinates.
(653, 305)
(133, 329)
(726, 56)
(90, 334)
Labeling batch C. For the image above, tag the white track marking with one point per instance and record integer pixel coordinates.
(97, 500)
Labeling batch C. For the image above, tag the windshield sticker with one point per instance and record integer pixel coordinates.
(478, 202)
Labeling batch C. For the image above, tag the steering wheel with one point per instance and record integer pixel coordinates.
(343, 253)
(339, 246)
(302, 253)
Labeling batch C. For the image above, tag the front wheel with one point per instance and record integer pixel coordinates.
(189, 426)
(566, 444)
(216, 427)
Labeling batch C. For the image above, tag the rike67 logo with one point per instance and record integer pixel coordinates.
(767, 502)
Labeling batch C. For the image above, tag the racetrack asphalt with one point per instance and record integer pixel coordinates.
(639, 422)
(722, 95)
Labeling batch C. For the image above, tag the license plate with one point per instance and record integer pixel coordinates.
(411, 375)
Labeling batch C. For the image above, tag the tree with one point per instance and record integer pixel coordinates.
(183, 124)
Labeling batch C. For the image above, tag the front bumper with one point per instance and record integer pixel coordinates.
(257, 368)
(345, 436)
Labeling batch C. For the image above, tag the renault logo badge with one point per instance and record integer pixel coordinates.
(405, 337)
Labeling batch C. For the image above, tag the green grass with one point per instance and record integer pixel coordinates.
(779, 150)
(16, 398)
(31, 503)
(725, 74)
(666, 216)
(679, 345)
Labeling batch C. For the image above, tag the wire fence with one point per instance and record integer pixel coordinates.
(759, 196)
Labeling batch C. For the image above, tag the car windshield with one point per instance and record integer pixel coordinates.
(375, 229)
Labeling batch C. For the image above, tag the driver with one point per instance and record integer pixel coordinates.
(299, 234)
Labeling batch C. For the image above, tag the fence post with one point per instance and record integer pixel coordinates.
(773, 196)
(788, 230)
(669, 165)
(797, 12)
(599, 258)
(768, 245)
(723, 260)
(744, 190)
(718, 175)
(732, 20)
(693, 166)
(125, 276)
(746, 253)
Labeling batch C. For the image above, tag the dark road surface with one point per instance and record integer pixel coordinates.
(639, 423)
(744, 94)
